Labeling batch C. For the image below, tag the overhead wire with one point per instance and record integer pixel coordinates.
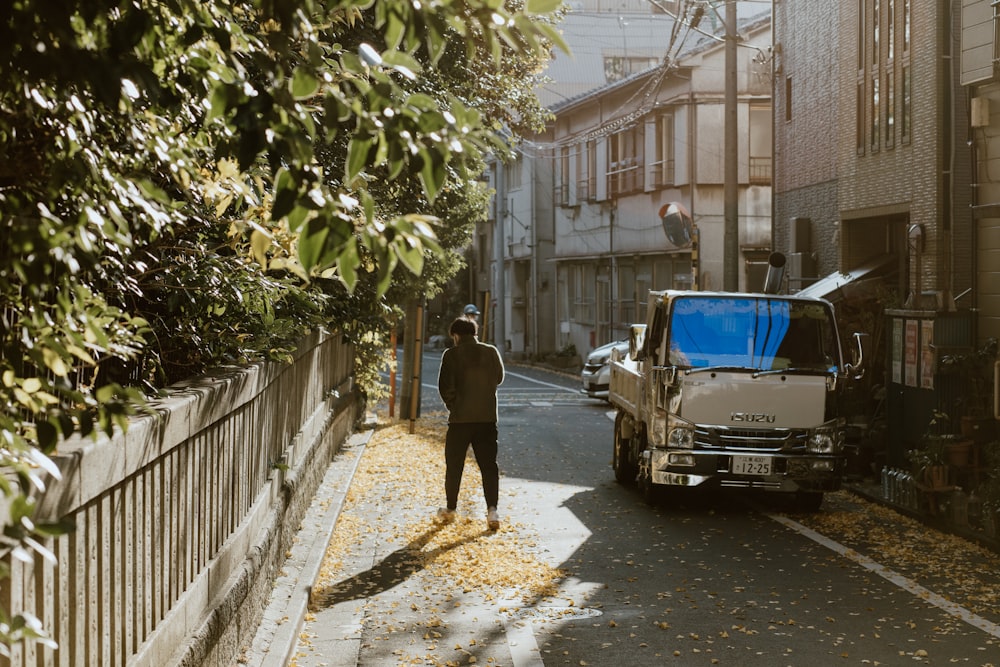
(688, 17)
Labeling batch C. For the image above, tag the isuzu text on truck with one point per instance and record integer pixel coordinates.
(733, 390)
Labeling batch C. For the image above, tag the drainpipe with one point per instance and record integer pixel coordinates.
(949, 151)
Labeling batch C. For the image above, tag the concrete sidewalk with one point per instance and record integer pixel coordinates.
(277, 636)
(388, 607)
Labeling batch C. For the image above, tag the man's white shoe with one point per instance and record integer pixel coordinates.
(492, 518)
(445, 515)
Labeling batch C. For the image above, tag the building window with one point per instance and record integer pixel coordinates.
(905, 119)
(862, 34)
(876, 127)
(624, 161)
(643, 283)
(875, 131)
(890, 106)
(626, 294)
(906, 27)
(876, 25)
(860, 127)
(604, 310)
(663, 161)
(860, 118)
(590, 184)
(581, 287)
(905, 125)
(761, 134)
(889, 74)
(582, 193)
(788, 98)
(890, 29)
(617, 68)
(513, 173)
(561, 195)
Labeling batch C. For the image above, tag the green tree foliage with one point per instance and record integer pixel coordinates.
(187, 183)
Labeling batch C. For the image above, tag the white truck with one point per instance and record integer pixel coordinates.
(732, 390)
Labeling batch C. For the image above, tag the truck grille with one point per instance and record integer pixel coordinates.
(749, 439)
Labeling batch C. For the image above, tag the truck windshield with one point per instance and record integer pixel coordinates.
(759, 333)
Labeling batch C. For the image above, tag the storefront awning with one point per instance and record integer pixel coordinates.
(856, 282)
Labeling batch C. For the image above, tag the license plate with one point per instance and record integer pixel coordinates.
(752, 465)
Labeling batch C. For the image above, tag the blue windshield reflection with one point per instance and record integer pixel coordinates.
(758, 333)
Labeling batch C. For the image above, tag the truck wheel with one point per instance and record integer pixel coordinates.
(809, 501)
(625, 469)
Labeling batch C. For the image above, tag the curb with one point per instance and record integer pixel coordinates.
(284, 617)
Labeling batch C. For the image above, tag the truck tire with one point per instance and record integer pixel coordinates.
(809, 501)
(621, 459)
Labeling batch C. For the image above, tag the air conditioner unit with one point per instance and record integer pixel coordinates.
(979, 112)
(801, 271)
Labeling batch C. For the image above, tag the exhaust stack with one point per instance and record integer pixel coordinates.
(775, 273)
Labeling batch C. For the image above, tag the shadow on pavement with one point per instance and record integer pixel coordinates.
(391, 571)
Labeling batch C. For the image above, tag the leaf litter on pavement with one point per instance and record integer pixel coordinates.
(960, 571)
(445, 566)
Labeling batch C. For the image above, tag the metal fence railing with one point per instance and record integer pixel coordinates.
(169, 512)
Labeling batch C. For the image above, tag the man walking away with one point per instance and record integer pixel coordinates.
(470, 373)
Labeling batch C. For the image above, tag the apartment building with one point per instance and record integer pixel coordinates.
(624, 153)
(583, 237)
(614, 47)
(873, 174)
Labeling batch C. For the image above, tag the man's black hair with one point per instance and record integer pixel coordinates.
(462, 326)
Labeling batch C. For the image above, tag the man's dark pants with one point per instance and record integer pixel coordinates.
(483, 438)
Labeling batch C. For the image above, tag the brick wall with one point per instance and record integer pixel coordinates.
(818, 171)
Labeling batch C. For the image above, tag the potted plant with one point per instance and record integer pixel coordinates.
(939, 448)
(930, 460)
(976, 366)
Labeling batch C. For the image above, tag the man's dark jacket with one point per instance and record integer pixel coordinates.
(468, 379)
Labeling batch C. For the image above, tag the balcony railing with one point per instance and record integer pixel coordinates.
(760, 171)
(663, 173)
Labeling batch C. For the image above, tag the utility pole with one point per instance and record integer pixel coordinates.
(731, 224)
(500, 295)
(409, 407)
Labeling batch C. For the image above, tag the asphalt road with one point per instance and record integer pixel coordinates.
(699, 579)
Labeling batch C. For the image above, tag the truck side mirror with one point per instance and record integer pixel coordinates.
(637, 342)
(856, 368)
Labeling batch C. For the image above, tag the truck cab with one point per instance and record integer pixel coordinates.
(732, 390)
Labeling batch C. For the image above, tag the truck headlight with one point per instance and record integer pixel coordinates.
(825, 440)
(680, 437)
(680, 433)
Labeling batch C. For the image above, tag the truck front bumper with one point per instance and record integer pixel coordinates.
(782, 472)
